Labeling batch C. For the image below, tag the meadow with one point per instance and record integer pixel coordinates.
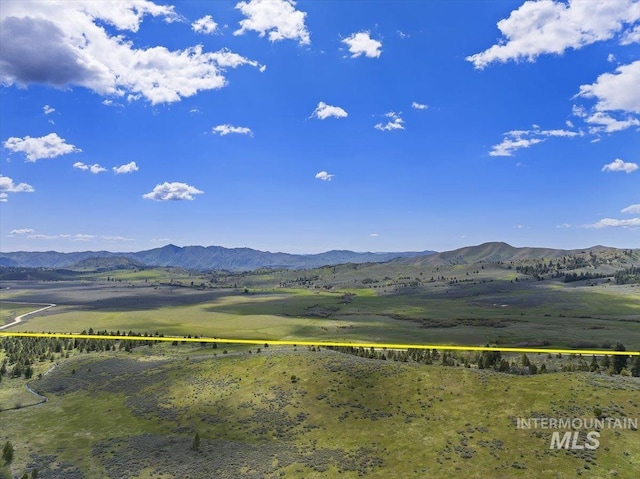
(500, 312)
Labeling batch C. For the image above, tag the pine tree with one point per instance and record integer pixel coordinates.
(7, 453)
(196, 442)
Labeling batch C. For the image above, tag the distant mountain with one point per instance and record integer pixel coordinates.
(194, 257)
(494, 252)
(109, 263)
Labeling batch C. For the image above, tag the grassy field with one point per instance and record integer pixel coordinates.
(311, 414)
(9, 311)
(501, 312)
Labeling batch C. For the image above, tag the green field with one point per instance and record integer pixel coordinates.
(282, 413)
(547, 313)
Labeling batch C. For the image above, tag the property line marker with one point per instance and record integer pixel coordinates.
(317, 343)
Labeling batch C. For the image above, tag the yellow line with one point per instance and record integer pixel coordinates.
(317, 343)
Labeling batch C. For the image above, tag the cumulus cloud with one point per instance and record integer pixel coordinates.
(619, 165)
(419, 106)
(631, 209)
(172, 192)
(603, 122)
(324, 176)
(223, 130)
(324, 111)
(617, 100)
(95, 168)
(123, 169)
(616, 91)
(631, 36)
(204, 25)
(517, 139)
(613, 223)
(8, 186)
(278, 18)
(395, 122)
(22, 231)
(49, 146)
(48, 110)
(361, 43)
(64, 43)
(548, 26)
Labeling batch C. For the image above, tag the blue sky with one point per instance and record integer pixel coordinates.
(309, 126)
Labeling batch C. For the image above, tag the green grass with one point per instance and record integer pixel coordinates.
(561, 315)
(412, 417)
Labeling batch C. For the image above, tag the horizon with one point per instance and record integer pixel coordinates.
(317, 126)
(324, 251)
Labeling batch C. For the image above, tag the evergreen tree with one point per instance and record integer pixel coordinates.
(619, 361)
(196, 442)
(7, 453)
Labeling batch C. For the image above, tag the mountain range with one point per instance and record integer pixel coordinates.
(196, 257)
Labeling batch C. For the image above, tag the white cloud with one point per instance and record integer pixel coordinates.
(547, 26)
(123, 169)
(95, 168)
(616, 91)
(8, 186)
(48, 110)
(324, 176)
(631, 36)
(204, 25)
(619, 165)
(362, 44)
(564, 225)
(611, 58)
(518, 227)
(46, 237)
(402, 35)
(116, 238)
(517, 139)
(172, 192)
(65, 43)
(324, 111)
(374, 235)
(223, 130)
(419, 106)
(613, 223)
(22, 231)
(49, 146)
(82, 237)
(631, 209)
(396, 123)
(278, 18)
(608, 124)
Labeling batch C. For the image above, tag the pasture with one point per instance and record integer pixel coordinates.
(500, 312)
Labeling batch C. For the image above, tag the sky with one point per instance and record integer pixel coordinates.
(309, 126)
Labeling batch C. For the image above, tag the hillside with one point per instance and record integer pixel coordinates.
(495, 252)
